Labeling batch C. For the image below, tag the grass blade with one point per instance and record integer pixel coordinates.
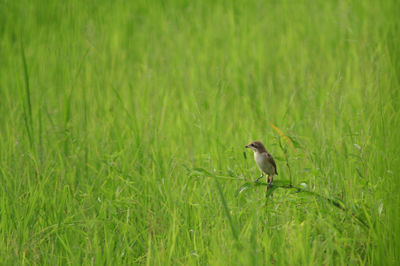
(225, 206)
(27, 114)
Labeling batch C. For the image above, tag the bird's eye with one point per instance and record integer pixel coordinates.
(252, 145)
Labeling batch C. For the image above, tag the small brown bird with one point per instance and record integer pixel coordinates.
(264, 160)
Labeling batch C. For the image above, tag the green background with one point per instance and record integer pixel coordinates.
(108, 109)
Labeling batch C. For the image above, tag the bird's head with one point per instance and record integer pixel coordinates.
(256, 146)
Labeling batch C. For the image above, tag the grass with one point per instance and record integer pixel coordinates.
(123, 125)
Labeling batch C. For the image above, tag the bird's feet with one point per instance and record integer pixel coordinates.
(270, 179)
(256, 181)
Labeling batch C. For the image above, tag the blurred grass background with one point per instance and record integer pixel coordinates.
(107, 107)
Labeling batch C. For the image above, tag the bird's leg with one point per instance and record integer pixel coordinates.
(262, 174)
(269, 182)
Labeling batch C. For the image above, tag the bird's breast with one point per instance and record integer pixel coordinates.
(263, 163)
(259, 158)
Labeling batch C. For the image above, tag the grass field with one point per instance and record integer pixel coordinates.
(123, 126)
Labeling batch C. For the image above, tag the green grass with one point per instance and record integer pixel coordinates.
(123, 125)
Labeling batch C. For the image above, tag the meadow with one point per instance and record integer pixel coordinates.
(123, 126)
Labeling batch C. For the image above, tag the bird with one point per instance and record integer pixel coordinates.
(264, 161)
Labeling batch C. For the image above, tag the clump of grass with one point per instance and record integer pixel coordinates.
(107, 108)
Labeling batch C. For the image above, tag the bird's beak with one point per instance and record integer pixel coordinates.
(247, 146)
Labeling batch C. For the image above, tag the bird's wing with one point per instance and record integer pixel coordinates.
(272, 161)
